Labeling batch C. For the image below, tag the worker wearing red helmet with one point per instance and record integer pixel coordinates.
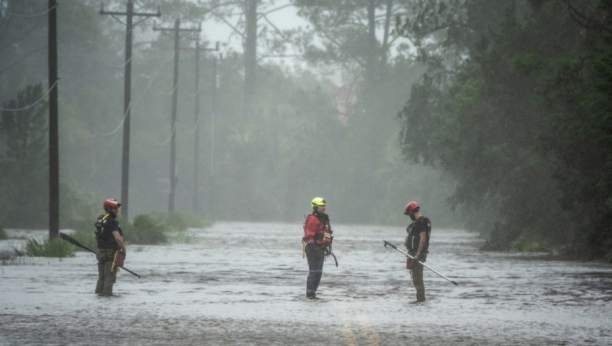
(111, 249)
(417, 243)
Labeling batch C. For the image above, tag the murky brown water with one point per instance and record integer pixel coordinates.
(244, 284)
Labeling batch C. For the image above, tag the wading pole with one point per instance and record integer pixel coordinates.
(424, 265)
(76, 242)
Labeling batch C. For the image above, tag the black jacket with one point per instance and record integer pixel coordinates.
(414, 230)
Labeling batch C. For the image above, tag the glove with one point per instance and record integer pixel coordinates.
(119, 258)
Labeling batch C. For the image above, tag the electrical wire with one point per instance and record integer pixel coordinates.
(195, 128)
(150, 84)
(195, 93)
(29, 15)
(33, 104)
(118, 127)
(167, 139)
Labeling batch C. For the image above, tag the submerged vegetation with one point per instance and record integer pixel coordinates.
(48, 248)
(161, 228)
(146, 229)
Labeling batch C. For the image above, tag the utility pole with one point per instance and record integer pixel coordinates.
(173, 180)
(53, 125)
(213, 113)
(250, 56)
(127, 96)
(196, 140)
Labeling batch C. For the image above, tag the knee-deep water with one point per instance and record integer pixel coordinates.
(245, 284)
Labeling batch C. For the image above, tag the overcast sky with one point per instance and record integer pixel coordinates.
(285, 18)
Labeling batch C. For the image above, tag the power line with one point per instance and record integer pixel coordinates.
(167, 139)
(29, 15)
(149, 86)
(118, 127)
(33, 104)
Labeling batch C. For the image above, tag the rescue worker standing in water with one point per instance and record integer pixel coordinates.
(417, 243)
(111, 249)
(317, 237)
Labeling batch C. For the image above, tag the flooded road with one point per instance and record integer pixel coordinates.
(245, 283)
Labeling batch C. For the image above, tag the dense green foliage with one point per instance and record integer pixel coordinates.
(24, 133)
(48, 248)
(146, 230)
(516, 106)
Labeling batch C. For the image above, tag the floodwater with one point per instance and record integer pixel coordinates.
(245, 283)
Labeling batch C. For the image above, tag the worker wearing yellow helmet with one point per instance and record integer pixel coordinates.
(317, 239)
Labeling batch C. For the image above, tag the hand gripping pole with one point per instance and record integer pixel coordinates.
(424, 265)
(76, 242)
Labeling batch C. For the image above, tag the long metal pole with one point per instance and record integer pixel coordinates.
(423, 264)
(76, 242)
(53, 125)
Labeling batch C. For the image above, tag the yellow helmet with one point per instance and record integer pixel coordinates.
(318, 202)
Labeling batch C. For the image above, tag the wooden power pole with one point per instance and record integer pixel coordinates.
(173, 179)
(127, 97)
(53, 125)
(197, 117)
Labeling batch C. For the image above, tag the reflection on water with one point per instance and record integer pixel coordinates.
(244, 283)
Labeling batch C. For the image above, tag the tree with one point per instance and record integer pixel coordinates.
(514, 105)
(355, 35)
(24, 167)
(249, 20)
(22, 40)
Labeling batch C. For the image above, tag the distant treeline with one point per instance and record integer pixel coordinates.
(517, 105)
(509, 101)
(298, 133)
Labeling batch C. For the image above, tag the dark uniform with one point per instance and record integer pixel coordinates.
(107, 247)
(414, 230)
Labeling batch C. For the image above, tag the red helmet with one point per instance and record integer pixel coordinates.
(111, 203)
(411, 207)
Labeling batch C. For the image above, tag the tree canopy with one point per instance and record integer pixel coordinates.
(496, 109)
(515, 105)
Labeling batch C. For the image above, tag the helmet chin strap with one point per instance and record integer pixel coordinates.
(316, 212)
